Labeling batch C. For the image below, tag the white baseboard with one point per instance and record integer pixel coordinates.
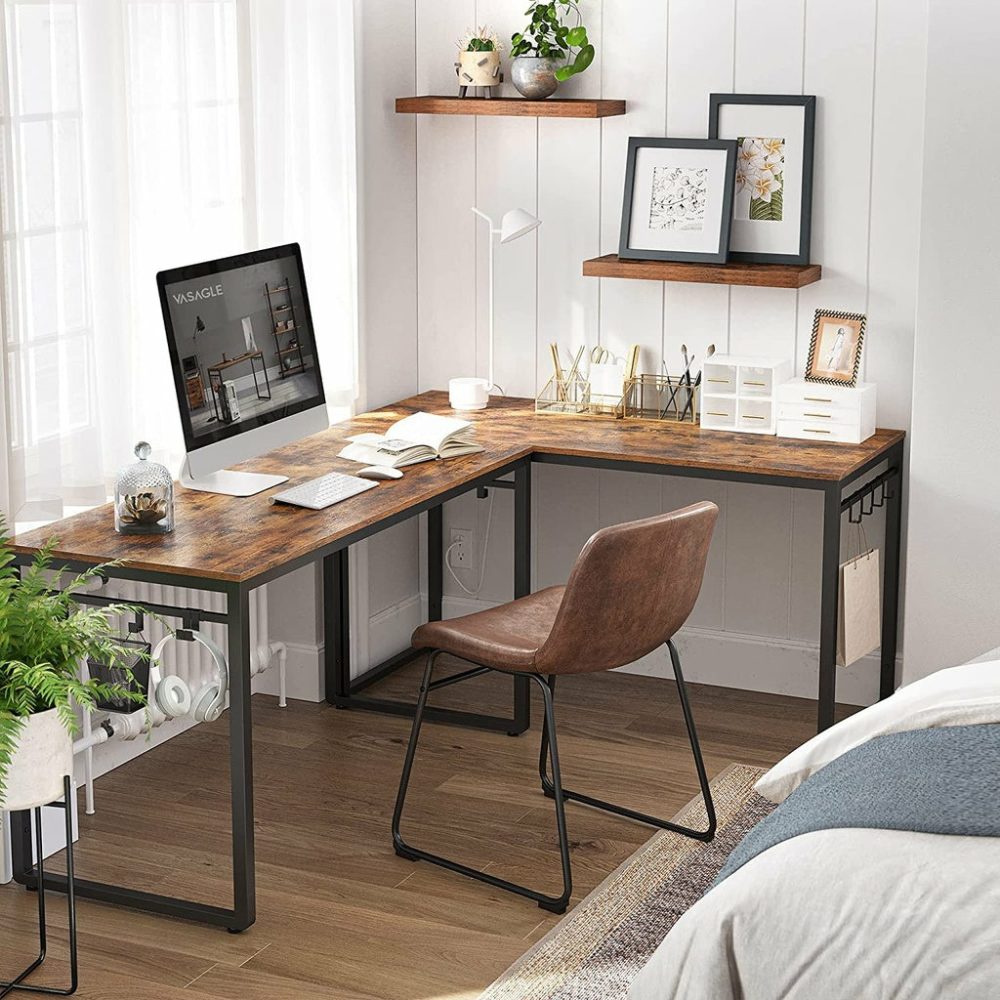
(736, 660)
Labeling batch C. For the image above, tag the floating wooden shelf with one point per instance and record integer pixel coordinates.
(517, 106)
(733, 273)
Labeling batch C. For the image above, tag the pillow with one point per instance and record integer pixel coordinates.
(959, 696)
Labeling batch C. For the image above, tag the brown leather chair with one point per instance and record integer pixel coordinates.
(632, 587)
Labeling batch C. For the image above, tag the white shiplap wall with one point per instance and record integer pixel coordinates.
(756, 623)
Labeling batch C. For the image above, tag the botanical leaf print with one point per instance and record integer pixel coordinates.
(678, 198)
(760, 169)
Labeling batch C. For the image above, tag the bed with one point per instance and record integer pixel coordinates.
(877, 875)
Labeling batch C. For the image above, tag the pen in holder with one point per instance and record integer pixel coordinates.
(662, 397)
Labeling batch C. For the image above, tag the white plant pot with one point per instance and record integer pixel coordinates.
(478, 69)
(42, 758)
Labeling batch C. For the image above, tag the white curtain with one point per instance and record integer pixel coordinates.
(139, 135)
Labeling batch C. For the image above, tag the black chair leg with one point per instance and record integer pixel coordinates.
(555, 904)
(706, 792)
(18, 982)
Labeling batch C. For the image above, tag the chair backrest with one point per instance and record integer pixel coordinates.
(631, 588)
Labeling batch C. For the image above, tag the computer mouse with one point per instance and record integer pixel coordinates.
(380, 472)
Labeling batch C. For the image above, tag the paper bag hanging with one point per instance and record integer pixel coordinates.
(859, 630)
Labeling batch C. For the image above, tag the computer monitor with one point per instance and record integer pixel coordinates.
(244, 361)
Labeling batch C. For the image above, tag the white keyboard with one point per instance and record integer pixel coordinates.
(324, 491)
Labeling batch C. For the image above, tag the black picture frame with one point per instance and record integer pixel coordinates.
(635, 143)
(808, 103)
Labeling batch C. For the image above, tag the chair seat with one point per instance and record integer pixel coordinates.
(507, 637)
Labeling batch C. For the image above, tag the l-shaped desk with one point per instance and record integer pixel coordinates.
(232, 545)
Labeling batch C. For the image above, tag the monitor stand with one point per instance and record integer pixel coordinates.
(233, 484)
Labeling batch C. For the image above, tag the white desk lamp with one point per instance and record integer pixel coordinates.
(474, 393)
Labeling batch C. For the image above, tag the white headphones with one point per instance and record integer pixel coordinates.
(172, 695)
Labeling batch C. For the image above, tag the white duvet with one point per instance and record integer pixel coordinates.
(851, 914)
(842, 915)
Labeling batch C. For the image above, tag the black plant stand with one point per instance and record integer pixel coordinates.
(18, 982)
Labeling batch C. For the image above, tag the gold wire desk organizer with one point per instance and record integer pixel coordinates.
(646, 397)
(662, 397)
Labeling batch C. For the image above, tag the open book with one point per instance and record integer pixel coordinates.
(421, 437)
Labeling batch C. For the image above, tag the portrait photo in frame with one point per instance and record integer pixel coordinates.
(678, 200)
(835, 347)
(772, 203)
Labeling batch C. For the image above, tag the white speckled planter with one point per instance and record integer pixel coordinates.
(44, 756)
(479, 69)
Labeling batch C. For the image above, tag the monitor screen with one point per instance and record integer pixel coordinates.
(241, 342)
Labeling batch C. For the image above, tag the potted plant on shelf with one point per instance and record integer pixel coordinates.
(44, 637)
(548, 52)
(479, 60)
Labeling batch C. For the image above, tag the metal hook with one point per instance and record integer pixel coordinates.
(138, 623)
(870, 497)
(850, 514)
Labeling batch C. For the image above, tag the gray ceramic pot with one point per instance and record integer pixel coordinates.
(534, 77)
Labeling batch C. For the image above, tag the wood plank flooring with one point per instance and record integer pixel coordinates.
(339, 915)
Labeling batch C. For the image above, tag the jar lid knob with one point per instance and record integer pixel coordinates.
(143, 450)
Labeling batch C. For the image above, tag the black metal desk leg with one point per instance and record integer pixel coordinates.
(336, 626)
(828, 607)
(241, 758)
(890, 576)
(435, 562)
(522, 581)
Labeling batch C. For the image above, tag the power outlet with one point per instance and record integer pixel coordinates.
(463, 551)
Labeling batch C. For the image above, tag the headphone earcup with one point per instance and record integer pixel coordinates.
(173, 697)
(207, 704)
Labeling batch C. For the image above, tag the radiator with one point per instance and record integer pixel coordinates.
(188, 660)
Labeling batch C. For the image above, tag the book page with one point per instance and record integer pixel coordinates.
(430, 429)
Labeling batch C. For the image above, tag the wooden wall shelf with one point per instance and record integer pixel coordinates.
(733, 273)
(515, 106)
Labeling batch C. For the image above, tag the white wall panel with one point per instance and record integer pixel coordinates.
(762, 578)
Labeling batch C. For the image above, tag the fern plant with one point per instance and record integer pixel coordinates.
(44, 636)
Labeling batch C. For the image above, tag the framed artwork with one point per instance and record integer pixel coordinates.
(835, 347)
(772, 206)
(678, 199)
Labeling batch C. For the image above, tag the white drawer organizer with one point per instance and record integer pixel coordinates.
(818, 412)
(738, 393)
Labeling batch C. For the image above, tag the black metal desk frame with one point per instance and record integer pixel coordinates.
(347, 693)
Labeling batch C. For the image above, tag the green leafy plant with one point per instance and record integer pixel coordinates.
(547, 35)
(483, 39)
(44, 636)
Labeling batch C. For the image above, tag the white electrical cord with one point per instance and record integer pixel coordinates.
(482, 565)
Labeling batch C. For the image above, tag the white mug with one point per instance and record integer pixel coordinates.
(468, 393)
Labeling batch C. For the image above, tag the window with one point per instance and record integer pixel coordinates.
(138, 135)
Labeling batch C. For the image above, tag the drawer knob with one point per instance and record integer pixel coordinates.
(823, 416)
(816, 399)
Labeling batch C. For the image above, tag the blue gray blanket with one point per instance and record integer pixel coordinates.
(944, 780)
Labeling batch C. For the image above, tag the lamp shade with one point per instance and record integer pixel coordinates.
(516, 223)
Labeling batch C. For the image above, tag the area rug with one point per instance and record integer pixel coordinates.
(596, 951)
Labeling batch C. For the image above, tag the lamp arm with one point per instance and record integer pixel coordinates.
(483, 215)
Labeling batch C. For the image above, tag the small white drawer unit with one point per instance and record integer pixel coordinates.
(814, 411)
(738, 393)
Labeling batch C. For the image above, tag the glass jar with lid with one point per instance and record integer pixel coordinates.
(144, 496)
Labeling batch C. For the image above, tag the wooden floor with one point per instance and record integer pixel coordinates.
(339, 915)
